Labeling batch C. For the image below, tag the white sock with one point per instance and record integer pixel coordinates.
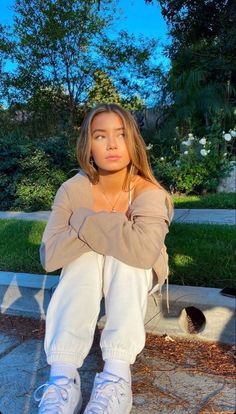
(119, 368)
(59, 369)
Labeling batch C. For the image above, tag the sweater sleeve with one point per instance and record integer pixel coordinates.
(60, 243)
(138, 241)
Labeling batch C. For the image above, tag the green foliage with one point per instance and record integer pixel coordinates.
(200, 87)
(30, 173)
(103, 90)
(194, 165)
(190, 177)
(65, 61)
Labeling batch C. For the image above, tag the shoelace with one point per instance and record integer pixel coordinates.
(53, 393)
(113, 390)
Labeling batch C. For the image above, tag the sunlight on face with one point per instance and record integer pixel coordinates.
(108, 148)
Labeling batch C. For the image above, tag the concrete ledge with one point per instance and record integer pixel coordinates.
(26, 294)
(195, 312)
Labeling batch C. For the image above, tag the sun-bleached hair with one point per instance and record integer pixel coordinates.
(139, 164)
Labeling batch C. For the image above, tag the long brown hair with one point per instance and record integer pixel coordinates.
(139, 164)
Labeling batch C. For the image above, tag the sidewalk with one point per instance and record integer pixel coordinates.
(168, 377)
(212, 216)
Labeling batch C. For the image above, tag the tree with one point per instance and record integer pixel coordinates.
(191, 21)
(201, 84)
(61, 44)
(5, 49)
(103, 90)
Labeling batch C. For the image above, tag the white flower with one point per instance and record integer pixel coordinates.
(149, 146)
(227, 137)
(162, 159)
(190, 137)
(208, 151)
(202, 141)
(186, 143)
(203, 152)
(233, 133)
(185, 152)
(225, 154)
(177, 162)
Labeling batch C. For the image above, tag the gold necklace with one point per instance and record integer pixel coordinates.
(107, 199)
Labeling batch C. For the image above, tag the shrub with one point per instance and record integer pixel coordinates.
(196, 165)
(31, 172)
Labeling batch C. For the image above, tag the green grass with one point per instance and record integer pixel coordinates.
(19, 246)
(217, 200)
(200, 254)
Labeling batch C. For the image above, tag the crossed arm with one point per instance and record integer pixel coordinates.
(136, 242)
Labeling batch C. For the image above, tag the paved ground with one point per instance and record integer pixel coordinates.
(213, 216)
(169, 376)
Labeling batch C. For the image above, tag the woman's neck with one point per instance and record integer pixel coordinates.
(112, 182)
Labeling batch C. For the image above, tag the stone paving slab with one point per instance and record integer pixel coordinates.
(7, 343)
(159, 386)
(211, 216)
(20, 215)
(181, 215)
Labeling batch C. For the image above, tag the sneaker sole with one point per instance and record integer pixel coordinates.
(129, 408)
(78, 407)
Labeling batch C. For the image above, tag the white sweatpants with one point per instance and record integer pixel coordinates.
(74, 308)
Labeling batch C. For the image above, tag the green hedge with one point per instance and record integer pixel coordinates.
(31, 172)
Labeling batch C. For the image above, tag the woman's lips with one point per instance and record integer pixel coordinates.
(113, 157)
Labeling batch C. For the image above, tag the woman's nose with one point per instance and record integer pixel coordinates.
(111, 143)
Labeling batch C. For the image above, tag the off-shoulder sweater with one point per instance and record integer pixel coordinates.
(74, 228)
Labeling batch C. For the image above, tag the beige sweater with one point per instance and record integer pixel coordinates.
(74, 228)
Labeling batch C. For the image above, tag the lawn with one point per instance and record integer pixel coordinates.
(217, 200)
(200, 254)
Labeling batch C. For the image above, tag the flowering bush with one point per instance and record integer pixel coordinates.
(195, 164)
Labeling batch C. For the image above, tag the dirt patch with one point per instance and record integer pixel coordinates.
(194, 355)
(23, 328)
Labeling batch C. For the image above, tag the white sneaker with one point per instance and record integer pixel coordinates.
(110, 395)
(60, 396)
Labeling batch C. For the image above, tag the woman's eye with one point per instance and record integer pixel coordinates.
(99, 137)
(122, 135)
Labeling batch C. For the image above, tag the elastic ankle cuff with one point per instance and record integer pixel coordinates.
(118, 354)
(65, 358)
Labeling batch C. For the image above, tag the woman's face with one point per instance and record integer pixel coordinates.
(108, 147)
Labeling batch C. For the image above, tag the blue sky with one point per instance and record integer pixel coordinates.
(138, 18)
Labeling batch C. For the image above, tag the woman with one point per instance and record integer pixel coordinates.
(106, 231)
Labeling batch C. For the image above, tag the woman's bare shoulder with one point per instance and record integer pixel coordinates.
(141, 185)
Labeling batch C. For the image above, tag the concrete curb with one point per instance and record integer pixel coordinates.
(195, 312)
